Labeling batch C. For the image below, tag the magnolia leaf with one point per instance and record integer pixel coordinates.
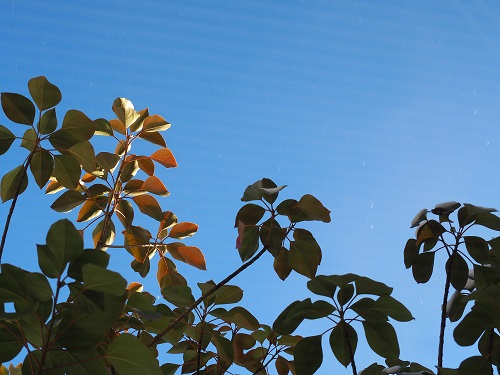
(155, 123)
(41, 167)
(125, 212)
(129, 356)
(281, 264)
(6, 139)
(13, 183)
(134, 237)
(18, 108)
(308, 355)
(29, 140)
(178, 295)
(187, 254)
(44, 94)
(393, 308)
(183, 230)
(165, 157)
(53, 187)
(154, 185)
(249, 242)
(129, 170)
(249, 214)
(148, 205)
(423, 266)
(79, 124)
(306, 209)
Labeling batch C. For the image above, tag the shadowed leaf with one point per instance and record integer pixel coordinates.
(6, 139)
(41, 167)
(11, 183)
(308, 355)
(18, 108)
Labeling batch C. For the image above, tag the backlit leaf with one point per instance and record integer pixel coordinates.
(135, 236)
(91, 209)
(53, 187)
(155, 123)
(13, 182)
(18, 108)
(308, 355)
(249, 243)
(155, 186)
(110, 233)
(103, 127)
(183, 230)
(249, 214)
(118, 126)
(41, 166)
(153, 137)
(188, 254)
(6, 139)
(80, 125)
(281, 264)
(107, 160)
(125, 212)
(29, 140)
(44, 94)
(178, 295)
(129, 356)
(67, 171)
(393, 308)
(38, 286)
(165, 157)
(148, 205)
(103, 280)
(146, 165)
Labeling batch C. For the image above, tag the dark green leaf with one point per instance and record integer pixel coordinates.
(42, 166)
(306, 209)
(345, 294)
(44, 93)
(10, 343)
(322, 285)
(393, 308)
(423, 266)
(281, 264)
(107, 160)
(103, 127)
(102, 280)
(91, 256)
(343, 341)
(365, 285)
(255, 191)
(304, 258)
(18, 108)
(410, 252)
(364, 307)
(308, 355)
(29, 140)
(382, 339)
(475, 366)
(6, 139)
(68, 200)
(249, 243)
(472, 326)
(11, 184)
(178, 295)
(38, 287)
(478, 249)
(459, 271)
(249, 214)
(67, 171)
(129, 356)
(48, 122)
(488, 220)
(84, 153)
(224, 348)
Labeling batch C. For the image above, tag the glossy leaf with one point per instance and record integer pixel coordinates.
(44, 94)
(154, 185)
(188, 254)
(129, 170)
(103, 127)
(165, 157)
(91, 209)
(118, 126)
(134, 237)
(18, 108)
(343, 341)
(78, 124)
(103, 280)
(382, 339)
(67, 171)
(146, 165)
(129, 356)
(308, 355)
(155, 123)
(42, 166)
(13, 182)
(148, 205)
(6, 139)
(125, 213)
(110, 233)
(183, 230)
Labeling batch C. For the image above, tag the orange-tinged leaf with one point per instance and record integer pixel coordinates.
(132, 187)
(165, 157)
(88, 177)
(138, 252)
(149, 206)
(53, 187)
(183, 230)
(155, 123)
(91, 209)
(153, 137)
(146, 165)
(190, 255)
(134, 287)
(154, 185)
(162, 269)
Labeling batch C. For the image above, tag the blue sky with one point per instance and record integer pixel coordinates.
(377, 108)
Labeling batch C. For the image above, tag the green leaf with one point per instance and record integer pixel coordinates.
(169, 368)
(29, 140)
(224, 348)
(48, 122)
(308, 208)
(12, 184)
(472, 326)
(308, 355)
(228, 294)
(239, 316)
(110, 233)
(393, 308)
(67, 171)
(410, 252)
(38, 287)
(178, 295)
(68, 200)
(44, 94)
(90, 256)
(459, 271)
(340, 345)
(103, 127)
(103, 280)
(10, 345)
(41, 167)
(255, 191)
(281, 264)
(80, 362)
(6, 139)
(364, 307)
(365, 285)
(304, 258)
(423, 266)
(249, 214)
(488, 220)
(345, 294)
(475, 366)
(382, 339)
(107, 160)
(478, 249)
(271, 236)
(129, 356)
(84, 153)
(322, 285)
(249, 243)
(18, 108)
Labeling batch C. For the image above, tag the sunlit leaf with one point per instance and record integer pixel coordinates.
(155, 186)
(419, 217)
(129, 170)
(67, 201)
(129, 356)
(125, 212)
(148, 205)
(153, 137)
(44, 94)
(134, 237)
(18, 108)
(118, 126)
(178, 295)
(155, 123)
(41, 166)
(146, 165)
(13, 183)
(165, 157)
(91, 209)
(67, 171)
(80, 125)
(308, 355)
(53, 187)
(110, 233)
(6, 139)
(187, 254)
(183, 230)
(103, 127)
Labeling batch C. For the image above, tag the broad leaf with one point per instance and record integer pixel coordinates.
(84, 153)
(13, 183)
(249, 243)
(183, 230)
(44, 94)
(10, 345)
(42, 166)
(423, 266)
(476, 365)
(393, 308)
(153, 137)
(6, 139)
(478, 249)
(165, 157)
(178, 295)
(308, 355)
(343, 341)
(304, 258)
(67, 171)
(102, 280)
(249, 214)
(382, 339)
(459, 271)
(154, 185)
(155, 123)
(107, 160)
(18, 108)
(188, 254)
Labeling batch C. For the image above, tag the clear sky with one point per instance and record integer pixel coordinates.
(378, 109)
